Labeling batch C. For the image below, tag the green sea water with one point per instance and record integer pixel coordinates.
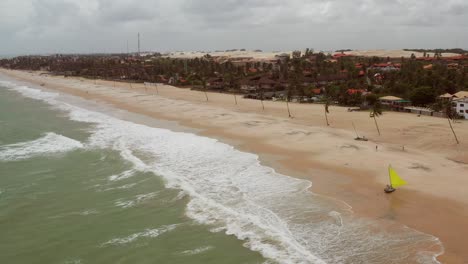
(61, 207)
(82, 182)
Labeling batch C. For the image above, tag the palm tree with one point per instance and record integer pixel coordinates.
(376, 111)
(233, 83)
(326, 105)
(451, 115)
(261, 98)
(288, 96)
(203, 80)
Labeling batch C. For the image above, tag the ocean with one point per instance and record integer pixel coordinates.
(82, 183)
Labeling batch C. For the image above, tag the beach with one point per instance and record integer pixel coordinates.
(421, 149)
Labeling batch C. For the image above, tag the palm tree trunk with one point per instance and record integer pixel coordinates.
(287, 105)
(206, 95)
(326, 118)
(376, 125)
(453, 131)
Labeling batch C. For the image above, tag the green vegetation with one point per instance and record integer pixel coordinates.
(423, 96)
(346, 80)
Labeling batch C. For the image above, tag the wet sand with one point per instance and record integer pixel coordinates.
(434, 202)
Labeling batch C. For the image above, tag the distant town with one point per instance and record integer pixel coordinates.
(429, 83)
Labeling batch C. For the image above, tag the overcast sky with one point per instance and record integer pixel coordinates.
(58, 26)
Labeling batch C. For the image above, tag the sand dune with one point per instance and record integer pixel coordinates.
(271, 55)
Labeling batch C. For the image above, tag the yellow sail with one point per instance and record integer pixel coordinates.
(395, 179)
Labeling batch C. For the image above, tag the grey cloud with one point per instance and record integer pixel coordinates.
(106, 25)
(127, 11)
(458, 9)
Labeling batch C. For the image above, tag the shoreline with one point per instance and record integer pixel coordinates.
(333, 179)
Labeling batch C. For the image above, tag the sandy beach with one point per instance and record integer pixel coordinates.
(422, 149)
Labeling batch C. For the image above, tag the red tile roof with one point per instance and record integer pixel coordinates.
(355, 91)
(341, 55)
(316, 91)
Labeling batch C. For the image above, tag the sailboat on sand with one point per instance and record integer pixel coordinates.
(395, 180)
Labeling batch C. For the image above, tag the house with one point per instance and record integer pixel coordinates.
(452, 66)
(428, 67)
(461, 94)
(341, 55)
(461, 106)
(423, 111)
(445, 97)
(456, 58)
(394, 103)
(388, 100)
(386, 66)
(356, 91)
(266, 83)
(248, 85)
(215, 83)
(252, 70)
(316, 91)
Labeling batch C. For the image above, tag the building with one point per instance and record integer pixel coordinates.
(215, 83)
(389, 100)
(386, 66)
(461, 107)
(394, 103)
(461, 94)
(445, 96)
(356, 91)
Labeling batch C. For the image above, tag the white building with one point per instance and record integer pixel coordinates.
(461, 106)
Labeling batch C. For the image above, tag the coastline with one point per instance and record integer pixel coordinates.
(343, 178)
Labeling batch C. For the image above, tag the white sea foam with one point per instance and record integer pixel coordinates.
(151, 233)
(123, 175)
(80, 213)
(138, 200)
(196, 250)
(180, 195)
(30, 92)
(73, 261)
(50, 143)
(274, 214)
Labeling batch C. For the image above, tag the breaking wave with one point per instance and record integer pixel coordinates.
(49, 144)
(274, 214)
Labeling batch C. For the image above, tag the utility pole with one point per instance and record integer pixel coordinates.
(128, 67)
(138, 43)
